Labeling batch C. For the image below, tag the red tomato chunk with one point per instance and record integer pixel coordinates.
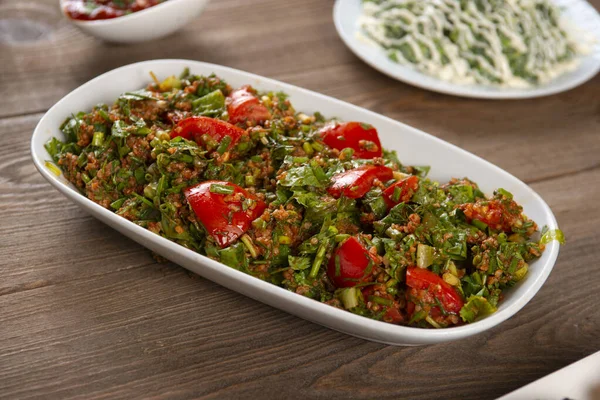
(350, 264)
(195, 128)
(360, 137)
(225, 210)
(423, 279)
(355, 183)
(406, 189)
(243, 107)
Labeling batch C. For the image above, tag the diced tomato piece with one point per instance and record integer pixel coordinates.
(194, 128)
(243, 106)
(393, 315)
(225, 216)
(360, 137)
(407, 187)
(410, 308)
(355, 183)
(350, 264)
(423, 279)
(493, 213)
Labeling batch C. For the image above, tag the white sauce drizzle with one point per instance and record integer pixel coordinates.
(469, 44)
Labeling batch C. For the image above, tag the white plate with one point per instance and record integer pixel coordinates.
(580, 381)
(579, 12)
(413, 146)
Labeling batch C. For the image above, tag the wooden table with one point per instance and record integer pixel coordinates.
(87, 313)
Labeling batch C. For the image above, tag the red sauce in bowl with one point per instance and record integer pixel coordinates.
(91, 10)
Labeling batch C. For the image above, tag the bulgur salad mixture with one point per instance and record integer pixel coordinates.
(92, 10)
(312, 205)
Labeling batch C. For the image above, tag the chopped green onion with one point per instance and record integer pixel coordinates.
(53, 168)
(249, 180)
(224, 144)
(210, 142)
(505, 193)
(317, 146)
(86, 178)
(381, 301)
(392, 286)
(418, 316)
(432, 322)
(115, 205)
(318, 171)
(482, 226)
(98, 139)
(221, 189)
(307, 148)
(300, 160)
(150, 190)
(285, 240)
(104, 115)
(396, 195)
(341, 237)
(162, 135)
(349, 297)
(314, 271)
(259, 223)
(186, 158)
(247, 240)
(347, 153)
(338, 266)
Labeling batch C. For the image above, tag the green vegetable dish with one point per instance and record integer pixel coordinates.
(312, 205)
(513, 43)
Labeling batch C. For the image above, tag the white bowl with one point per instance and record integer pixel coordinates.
(151, 23)
(584, 19)
(413, 147)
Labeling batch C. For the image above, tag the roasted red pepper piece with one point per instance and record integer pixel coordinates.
(423, 279)
(407, 186)
(193, 128)
(226, 214)
(243, 106)
(350, 264)
(360, 137)
(355, 183)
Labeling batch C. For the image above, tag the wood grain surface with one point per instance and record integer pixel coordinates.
(86, 313)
